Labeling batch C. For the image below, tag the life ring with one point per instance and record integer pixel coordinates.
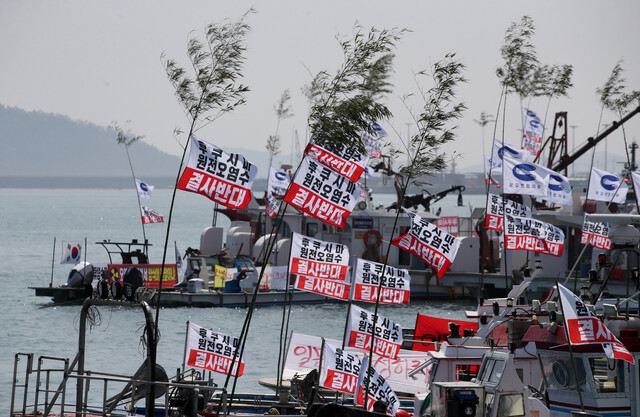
(375, 242)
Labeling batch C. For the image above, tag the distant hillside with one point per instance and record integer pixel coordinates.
(37, 144)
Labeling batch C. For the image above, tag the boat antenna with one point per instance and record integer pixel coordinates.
(53, 261)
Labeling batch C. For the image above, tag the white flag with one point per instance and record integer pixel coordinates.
(498, 151)
(533, 131)
(144, 189)
(278, 182)
(71, 252)
(584, 327)
(605, 186)
(559, 190)
(525, 178)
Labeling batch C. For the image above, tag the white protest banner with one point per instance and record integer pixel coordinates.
(150, 216)
(605, 186)
(635, 177)
(387, 335)
(339, 370)
(317, 258)
(449, 224)
(497, 205)
(71, 252)
(320, 267)
(372, 145)
(144, 189)
(378, 389)
(274, 278)
(430, 243)
(278, 182)
(525, 178)
(347, 162)
(225, 178)
(533, 131)
(271, 205)
(322, 193)
(212, 351)
(533, 235)
(367, 275)
(583, 327)
(303, 355)
(498, 151)
(595, 234)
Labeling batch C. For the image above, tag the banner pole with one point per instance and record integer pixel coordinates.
(186, 338)
(573, 362)
(53, 261)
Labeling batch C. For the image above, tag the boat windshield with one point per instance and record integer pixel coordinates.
(491, 370)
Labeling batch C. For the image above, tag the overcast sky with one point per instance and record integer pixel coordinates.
(99, 61)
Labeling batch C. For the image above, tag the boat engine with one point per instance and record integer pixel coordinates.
(80, 275)
(457, 399)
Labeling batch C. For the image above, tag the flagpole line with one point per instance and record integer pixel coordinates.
(573, 361)
(53, 261)
(282, 326)
(504, 221)
(270, 244)
(575, 264)
(135, 184)
(487, 188)
(286, 332)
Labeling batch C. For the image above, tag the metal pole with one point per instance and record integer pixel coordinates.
(53, 261)
(573, 361)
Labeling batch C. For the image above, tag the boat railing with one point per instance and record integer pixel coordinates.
(48, 396)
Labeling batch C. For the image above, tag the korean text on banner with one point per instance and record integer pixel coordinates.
(583, 327)
(497, 206)
(387, 335)
(225, 178)
(533, 131)
(303, 355)
(322, 193)
(595, 234)
(379, 389)
(605, 186)
(320, 267)
(395, 288)
(212, 351)
(150, 216)
(340, 369)
(347, 162)
(430, 243)
(71, 252)
(144, 189)
(533, 235)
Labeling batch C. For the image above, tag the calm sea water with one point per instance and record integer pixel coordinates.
(31, 218)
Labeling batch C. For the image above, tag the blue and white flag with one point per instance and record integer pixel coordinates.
(498, 151)
(71, 252)
(278, 182)
(525, 178)
(532, 132)
(605, 186)
(144, 189)
(559, 190)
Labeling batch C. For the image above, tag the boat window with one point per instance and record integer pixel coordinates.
(608, 375)
(558, 373)
(466, 372)
(496, 372)
(485, 369)
(312, 229)
(510, 405)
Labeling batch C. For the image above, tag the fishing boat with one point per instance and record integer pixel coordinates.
(127, 270)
